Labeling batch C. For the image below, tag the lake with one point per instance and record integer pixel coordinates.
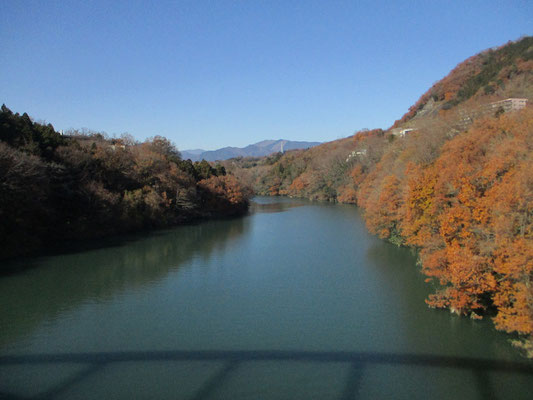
(294, 301)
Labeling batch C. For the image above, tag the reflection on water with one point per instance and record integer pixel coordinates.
(275, 204)
(295, 300)
(63, 282)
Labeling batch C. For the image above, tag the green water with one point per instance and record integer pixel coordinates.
(294, 301)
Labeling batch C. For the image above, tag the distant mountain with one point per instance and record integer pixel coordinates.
(259, 149)
(194, 151)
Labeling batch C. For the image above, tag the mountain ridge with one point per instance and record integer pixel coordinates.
(259, 149)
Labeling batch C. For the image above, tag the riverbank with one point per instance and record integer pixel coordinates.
(295, 299)
(62, 188)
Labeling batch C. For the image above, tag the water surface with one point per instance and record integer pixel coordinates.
(294, 301)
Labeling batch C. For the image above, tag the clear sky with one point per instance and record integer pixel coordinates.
(209, 74)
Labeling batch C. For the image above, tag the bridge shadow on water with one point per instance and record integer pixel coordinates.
(231, 361)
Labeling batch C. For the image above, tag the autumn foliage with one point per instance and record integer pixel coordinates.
(473, 221)
(458, 188)
(464, 201)
(55, 189)
(225, 194)
(470, 214)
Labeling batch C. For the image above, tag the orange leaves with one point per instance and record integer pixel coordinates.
(420, 215)
(448, 96)
(514, 259)
(484, 193)
(384, 213)
(514, 267)
(470, 212)
(455, 223)
(226, 187)
(223, 195)
(513, 203)
(300, 183)
(514, 308)
(466, 274)
(458, 301)
(347, 195)
(357, 174)
(469, 270)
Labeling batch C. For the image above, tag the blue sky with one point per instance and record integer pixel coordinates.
(209, 74)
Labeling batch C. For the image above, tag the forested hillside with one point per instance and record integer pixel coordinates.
(56, 188)
(457, 186)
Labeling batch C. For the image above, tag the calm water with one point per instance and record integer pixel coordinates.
(295, 301)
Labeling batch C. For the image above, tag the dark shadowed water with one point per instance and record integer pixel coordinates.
(294, 301)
